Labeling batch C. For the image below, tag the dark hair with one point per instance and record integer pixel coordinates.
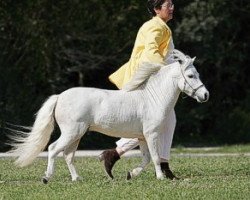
(154, 4)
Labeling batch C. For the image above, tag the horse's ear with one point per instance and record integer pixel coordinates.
(193, 59)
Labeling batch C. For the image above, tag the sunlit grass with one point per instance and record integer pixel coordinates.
(202, 178)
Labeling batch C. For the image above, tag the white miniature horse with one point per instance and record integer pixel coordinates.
(139, 110)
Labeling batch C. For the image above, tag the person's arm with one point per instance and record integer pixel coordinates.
(153, 40)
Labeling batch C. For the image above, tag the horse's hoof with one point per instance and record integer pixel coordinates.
(78, 178)
(45, 180)
(161, 178)
(129, 176)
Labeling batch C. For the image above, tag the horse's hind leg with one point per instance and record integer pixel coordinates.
(69, 136)
(50, 166)
(53, 150)
(145, 160)
(69, 154)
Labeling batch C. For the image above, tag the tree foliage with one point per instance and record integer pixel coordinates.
(48, 46)
(216, 32)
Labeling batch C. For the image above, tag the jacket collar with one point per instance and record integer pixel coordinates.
(160, 21)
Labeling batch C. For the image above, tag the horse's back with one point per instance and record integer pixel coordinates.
(81, 101)
(77, 102)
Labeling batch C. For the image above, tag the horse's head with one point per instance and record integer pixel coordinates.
(189, 81)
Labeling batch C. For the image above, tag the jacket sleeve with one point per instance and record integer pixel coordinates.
(153, 40)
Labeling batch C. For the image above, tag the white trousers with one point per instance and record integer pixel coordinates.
(165, 140)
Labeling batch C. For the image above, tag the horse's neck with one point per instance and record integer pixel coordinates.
(162, 90)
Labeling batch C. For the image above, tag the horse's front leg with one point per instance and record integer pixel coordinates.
(145, 160)
(152, 141)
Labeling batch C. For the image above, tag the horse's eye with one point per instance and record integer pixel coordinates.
(190, 76)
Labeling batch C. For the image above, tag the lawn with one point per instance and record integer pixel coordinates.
(224, 177)
(221, 149)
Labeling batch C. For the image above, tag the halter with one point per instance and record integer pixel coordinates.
(194, 90)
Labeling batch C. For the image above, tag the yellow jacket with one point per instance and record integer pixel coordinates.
(151, 45)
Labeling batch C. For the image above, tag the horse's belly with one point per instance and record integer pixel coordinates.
(125, 131)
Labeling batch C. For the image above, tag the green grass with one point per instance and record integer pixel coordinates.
(224, 149)
(204, 178)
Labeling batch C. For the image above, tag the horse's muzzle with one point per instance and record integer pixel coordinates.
(204, 98)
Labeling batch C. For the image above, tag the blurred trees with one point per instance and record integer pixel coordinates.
(48, 46)
(217, 33)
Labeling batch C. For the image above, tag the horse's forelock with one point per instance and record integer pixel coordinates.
(183, 59)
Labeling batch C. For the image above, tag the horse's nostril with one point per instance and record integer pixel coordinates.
(206, 96)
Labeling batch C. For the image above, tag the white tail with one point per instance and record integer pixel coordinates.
(27, 148)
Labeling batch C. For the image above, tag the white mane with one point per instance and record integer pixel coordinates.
(142, 75)
(145, 70)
